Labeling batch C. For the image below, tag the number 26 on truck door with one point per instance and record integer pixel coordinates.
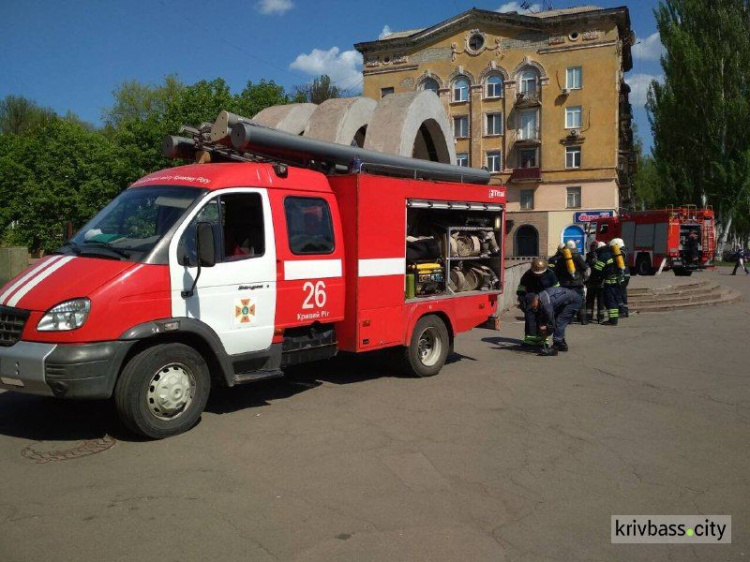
(316, 292)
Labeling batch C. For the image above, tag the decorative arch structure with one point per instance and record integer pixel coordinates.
(412, 124)
(342, 120)
(291, 118)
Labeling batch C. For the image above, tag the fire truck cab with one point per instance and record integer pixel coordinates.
(660, 239)
(222, 274)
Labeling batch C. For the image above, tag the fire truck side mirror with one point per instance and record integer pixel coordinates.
(205, 243)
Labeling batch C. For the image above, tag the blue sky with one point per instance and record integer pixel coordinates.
(71, 55)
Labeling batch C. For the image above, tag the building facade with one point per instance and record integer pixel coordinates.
(539, 99)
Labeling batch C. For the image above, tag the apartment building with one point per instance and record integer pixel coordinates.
(539, 99)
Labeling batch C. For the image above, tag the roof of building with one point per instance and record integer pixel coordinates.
(540, 21)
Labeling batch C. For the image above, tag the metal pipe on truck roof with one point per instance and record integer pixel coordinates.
(271, 143)
(178, 147)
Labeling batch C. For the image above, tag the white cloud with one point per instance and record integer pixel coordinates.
(639, 84)
(342, 66)
(517, 7)
(649, 48)
(268, 7)
(386, 32)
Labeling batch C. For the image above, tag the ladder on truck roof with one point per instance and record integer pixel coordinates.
(235, 138)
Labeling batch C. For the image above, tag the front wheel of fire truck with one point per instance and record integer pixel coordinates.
(163, 390)
(429, 347)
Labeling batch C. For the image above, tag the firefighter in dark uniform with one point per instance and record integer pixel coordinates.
(606, 270)
(624, 279)
(573, 281)
(594, 286)
(534, 281)
(555, 308)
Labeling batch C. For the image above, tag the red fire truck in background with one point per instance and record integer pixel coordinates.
(225, 273)
(657, 239)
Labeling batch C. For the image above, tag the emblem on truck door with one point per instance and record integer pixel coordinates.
(244, 311)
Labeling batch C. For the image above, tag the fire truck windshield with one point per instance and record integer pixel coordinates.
(133, 223)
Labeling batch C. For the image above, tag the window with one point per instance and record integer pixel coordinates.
(495, 161)
(462, 160)
(461, 89)
(573, 157)
(494, 124)
(529, 128)
(527, 158)
(309, 225)
(529, 82)
(461, 127)
(386, 92)
(574, 79)
(527, 199)
(430, 84)
(573, 117)
(494, 87)
(574, 198)
(526, 241)
(476, 42)
(237, 222)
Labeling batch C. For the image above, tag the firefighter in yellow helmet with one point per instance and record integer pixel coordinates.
(623, 280)
(607, 272)
(533, 282)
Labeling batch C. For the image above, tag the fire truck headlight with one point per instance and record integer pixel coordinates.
(66, 316)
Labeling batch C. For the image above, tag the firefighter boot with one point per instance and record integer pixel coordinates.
(548, 352)
(561, 345)
(624, 312)
(584, 315)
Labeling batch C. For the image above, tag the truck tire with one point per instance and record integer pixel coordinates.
(643, 265)
(163, 390)
(428, 349)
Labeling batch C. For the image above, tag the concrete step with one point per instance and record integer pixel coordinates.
(667, 289)
(720, 297)
(675, 297)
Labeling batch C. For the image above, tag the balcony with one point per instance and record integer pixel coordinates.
(626, 112)
(528, 99)
(528, 139)
(526, 174)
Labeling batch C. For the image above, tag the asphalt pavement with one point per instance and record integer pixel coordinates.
(504, 456)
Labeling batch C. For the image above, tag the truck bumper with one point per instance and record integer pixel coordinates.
(62, 370)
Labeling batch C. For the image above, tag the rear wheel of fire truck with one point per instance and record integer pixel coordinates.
(643, 265)
(429, 347)
(163, 390)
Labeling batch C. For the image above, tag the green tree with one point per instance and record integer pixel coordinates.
(19, 115)
(700, 116)
(319, 90)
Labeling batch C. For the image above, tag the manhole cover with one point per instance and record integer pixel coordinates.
(54, 451)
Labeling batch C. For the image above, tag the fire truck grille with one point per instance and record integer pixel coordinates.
(12, 322)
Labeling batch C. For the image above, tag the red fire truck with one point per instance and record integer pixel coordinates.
(225, 273)
(657, 239)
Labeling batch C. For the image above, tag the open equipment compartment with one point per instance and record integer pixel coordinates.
(453, 248)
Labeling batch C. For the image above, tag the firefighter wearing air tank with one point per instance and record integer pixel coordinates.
(621, 261)
(605, 269)
(534, 281)
(570, 270)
